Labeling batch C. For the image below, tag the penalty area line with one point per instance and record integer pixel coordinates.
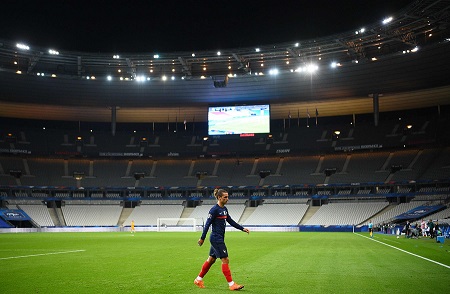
(410, 253)
(41, 254)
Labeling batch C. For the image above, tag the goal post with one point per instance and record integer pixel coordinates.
(178, 224)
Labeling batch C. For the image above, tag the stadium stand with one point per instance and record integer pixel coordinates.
(277, 214)
(85, 215)
(345, 213)
(147, 215)
(345, 166)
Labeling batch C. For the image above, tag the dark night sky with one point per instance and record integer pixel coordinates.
(167, 26)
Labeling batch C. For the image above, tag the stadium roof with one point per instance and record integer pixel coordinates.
(405, 58)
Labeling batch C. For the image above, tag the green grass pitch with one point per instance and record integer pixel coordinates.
(265, 262)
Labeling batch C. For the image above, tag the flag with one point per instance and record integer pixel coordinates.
(176, 123)
(289, 116)
(307, 118)
(317, 114)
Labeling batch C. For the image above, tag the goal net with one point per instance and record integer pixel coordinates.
(178, 224)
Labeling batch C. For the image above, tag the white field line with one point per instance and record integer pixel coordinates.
(41, 254)
(424, 258)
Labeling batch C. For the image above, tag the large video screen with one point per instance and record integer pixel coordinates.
(243, 119)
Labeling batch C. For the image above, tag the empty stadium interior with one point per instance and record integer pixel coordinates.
(368, 140)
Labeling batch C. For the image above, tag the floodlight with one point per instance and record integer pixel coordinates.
(22, 46)
(387, 20)
(311, 68)
(273, 72)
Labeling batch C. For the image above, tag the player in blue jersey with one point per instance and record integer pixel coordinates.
(218, 216)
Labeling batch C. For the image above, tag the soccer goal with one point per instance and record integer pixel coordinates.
(178, 224)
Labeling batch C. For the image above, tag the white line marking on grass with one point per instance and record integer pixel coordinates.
(427, 259)
(42, 254)
(392, 241)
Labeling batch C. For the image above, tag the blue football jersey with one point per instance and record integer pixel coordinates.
(218, 217)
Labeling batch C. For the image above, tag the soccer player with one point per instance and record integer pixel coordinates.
(371, 229)
(132, 227)
(217, 217)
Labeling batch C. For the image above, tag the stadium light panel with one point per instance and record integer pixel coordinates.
(311, 68)
(387, 20)
(22, 46)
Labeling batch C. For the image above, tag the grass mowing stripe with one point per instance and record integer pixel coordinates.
(41, 254)
(424, 258)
